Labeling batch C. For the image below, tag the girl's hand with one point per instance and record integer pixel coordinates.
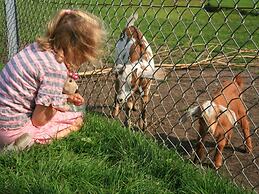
(76, 99)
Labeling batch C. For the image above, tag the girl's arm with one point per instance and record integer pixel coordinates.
(42, 115)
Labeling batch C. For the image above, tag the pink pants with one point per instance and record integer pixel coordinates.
(42, 134)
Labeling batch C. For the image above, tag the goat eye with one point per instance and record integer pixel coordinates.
(121, 36)
(132, 85)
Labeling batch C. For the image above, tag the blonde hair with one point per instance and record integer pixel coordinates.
(74, 36)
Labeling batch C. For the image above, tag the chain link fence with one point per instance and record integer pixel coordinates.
(199, 44)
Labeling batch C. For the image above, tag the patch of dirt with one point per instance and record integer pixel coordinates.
(169, 100)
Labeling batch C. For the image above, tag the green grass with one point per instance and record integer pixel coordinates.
(103, 158)
(232, 3)
(3, 38)
(184, 31)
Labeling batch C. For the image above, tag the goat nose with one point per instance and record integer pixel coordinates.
(120, 100)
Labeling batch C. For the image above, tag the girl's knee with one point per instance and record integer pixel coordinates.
(79, 122)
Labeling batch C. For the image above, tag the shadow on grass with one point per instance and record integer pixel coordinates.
(97, 109)
(184, 147)
(187, 147)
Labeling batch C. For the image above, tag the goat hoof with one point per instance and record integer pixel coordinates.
(249, 150)
(115, 114)
(198, 159)
(217, 165)
(127, 124)
(142, 125)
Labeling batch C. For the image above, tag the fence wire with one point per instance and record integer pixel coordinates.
(198, 43)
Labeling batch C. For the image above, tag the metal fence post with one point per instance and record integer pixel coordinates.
(12, 27)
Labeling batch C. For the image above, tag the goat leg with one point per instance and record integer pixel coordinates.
(135, 105)
(248, 140)
(200, 151)
(222, 141)
(116, 109)
(200, 147)
(143, 119)
(128, 108)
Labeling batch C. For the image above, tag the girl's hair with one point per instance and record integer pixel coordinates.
(74, 36)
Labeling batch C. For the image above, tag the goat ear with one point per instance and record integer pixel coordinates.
(156, 73)
(131, 20)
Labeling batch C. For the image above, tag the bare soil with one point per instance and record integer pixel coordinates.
(170, 99)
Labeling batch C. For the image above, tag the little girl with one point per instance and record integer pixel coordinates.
(31, 83)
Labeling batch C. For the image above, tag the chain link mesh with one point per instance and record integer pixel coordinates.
(200, 43)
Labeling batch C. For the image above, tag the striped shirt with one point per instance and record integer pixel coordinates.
(31, 77)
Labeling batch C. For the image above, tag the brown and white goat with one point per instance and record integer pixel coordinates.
(218, 118)
(134, 70)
